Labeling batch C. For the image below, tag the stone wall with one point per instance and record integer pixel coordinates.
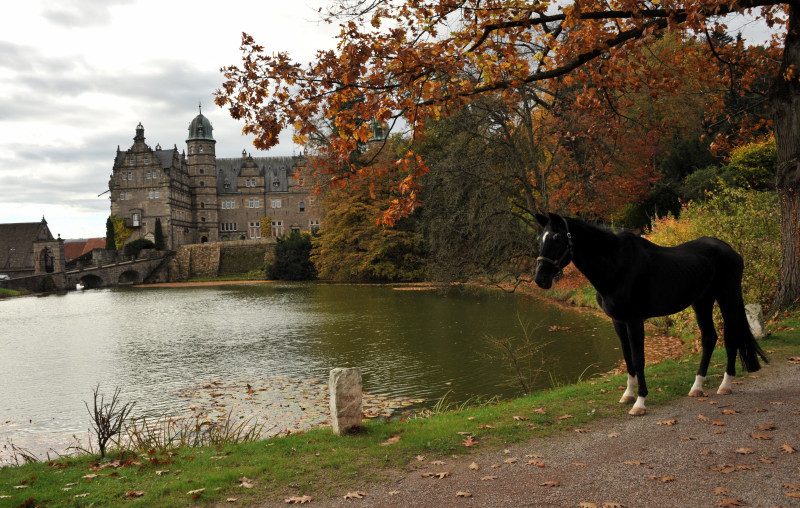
(222, 258)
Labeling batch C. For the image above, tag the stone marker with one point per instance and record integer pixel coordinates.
(755, 318)
(345, 390)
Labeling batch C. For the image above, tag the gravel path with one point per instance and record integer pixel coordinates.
(734, 450)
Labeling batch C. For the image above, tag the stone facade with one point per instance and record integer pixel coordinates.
(201, 198)
(28, 248)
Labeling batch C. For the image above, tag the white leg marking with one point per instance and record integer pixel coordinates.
(638, 408)
(630, 390)
(727, 384)
(697, 387)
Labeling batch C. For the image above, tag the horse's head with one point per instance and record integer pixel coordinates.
(555, 249)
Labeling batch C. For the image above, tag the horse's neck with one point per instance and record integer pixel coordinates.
(595, 254)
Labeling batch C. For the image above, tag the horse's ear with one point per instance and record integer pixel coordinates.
(554, 217)
(542, 220)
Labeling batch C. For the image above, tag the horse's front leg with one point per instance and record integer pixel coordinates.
(635, 330)
(630, 390)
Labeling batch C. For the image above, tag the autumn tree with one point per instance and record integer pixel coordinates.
(418, 61)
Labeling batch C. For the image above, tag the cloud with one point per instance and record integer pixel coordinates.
(79, 13)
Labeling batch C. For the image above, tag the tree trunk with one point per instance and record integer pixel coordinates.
(785, 102)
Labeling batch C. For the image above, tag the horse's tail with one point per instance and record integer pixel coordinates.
(749, 350)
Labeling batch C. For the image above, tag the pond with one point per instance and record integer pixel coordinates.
(157, 343)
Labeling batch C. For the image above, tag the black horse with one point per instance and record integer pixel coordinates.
(636, 280)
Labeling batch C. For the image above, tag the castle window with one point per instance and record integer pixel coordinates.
(255, 203)
(151, 194)
(313, 225)
(202, 171)
(202, 183)
(302, 206)
(155, 173)
(147, 175)
(276, 203)
(156, 193)
(255, 230)
(124, 175)
(277, 228)
(135, 220)
(146, 160)
(201, 148)
(202, 204)
(130, 175)
(300, 181)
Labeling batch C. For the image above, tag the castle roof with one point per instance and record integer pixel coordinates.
(274, 169)
(200, 128)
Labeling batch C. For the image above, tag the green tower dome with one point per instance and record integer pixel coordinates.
(200, 128)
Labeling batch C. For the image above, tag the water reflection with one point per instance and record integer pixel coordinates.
(152, 342)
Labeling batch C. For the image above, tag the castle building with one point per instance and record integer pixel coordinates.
(200, 198)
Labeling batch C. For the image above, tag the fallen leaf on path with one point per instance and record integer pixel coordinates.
(195, 492)
(231, 499)
(134, 493)
(663, 479)
(765, 460)
(463, 494)
(745, 451)
(534, 456)
(495, 465)
(613, 505)
(565, 417)
(540, 411)
(469, 441)
(724, 468)
(705, 452)
(550, 484)
(788, 448)
(793, 494)
(667, 422)
(702, 418)
(791, 486)
(768, 426)
(86, 494)
(521, 418)
(719, 432)
(582, 431)
(90, 477)
(579, 464)
(731, 502)
(718, 424)
(584, 504)
(394, 492)
(485, 427)
(420, 457)
(763, 437)
(731, 412)
(161, 472)
(512, 460)
(777, 403)
(720, 490)
(299, 499)
(746, 467)
(474, 466)
(357, 494)
(634, 462)
(488, 478)
(245, 482)
(759, 410)
(688, 438)
(438, 463)
(614, 434)
(535, 462)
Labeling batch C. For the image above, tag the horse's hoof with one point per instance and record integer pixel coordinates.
(724, 391)
(637, 411)
(696, 393)
(627, 399)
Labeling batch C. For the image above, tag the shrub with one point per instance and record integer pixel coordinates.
(292, 258)
(133, 248)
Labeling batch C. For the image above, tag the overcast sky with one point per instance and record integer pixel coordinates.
(77, 76)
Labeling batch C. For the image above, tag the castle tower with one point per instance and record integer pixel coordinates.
(201, 165)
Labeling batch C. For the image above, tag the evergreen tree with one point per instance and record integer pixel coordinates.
(110, 243)
(159, 235)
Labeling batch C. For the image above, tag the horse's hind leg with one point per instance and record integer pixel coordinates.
(630, 391)
(729, 306)
(703, 310)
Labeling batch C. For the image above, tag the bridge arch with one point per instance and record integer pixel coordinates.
(91, 281)
(130, 277)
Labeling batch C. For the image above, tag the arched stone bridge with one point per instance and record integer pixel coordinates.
(120, 273)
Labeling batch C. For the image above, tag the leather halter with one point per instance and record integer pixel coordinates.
(568, 251)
